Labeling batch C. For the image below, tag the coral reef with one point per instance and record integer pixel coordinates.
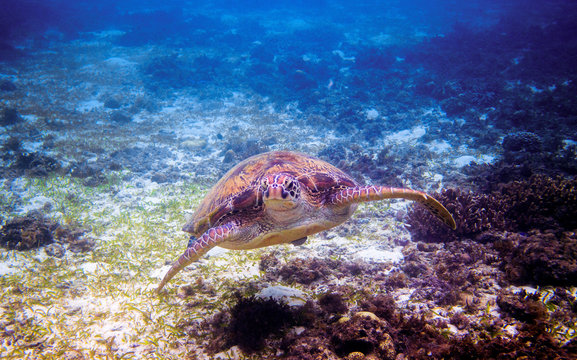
(238, 149)
(540, 203)
(473, 213)
(364, 333)
(250, 322)
(28, 232)
(333, 304)
(522, 306)
(9, 116)
(522, 141)
(540, 258)
(308, 271)
(120, 117)
(35, 164)
(542, 206)
(35, 230)
(390, 335)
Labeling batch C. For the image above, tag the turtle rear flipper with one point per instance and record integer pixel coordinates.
(359, 194)
(197, 247)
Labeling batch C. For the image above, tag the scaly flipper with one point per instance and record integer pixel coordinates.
(197, 248)
(371, 193)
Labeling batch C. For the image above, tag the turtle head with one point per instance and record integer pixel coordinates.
(280, 192)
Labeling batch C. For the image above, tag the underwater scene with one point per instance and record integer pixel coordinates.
(321, 179)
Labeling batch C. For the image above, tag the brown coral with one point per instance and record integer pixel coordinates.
(35, 230)
(364, 333)
(540, 202)
(28, 232)
(540, 258)
(473, 213)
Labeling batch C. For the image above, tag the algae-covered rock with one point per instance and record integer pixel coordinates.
(28, 232)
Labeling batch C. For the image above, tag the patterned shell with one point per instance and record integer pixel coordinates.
(237, 193)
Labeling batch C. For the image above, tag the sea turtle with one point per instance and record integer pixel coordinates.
(281, 197)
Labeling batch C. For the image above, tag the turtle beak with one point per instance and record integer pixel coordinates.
(280, 192)
(276, 193)
(277, 198)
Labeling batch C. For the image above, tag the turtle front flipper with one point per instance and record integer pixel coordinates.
(372, 193)
(198, 247)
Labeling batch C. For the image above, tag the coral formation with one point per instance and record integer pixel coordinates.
(521, 306)
(333, 303)
(35, 230)
(34, 164)
(473, 213)
(366, 335)
(542, 206)
(540, 258)
(308, 271)
(250, 322)
(9, 116)
(540, 202)
(363, 333)
(522, 141)
(28, 232)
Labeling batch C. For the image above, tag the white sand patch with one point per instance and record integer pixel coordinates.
(89, 105)
(233, 353)
(452, 329)
(383, 39)
(534, 89)
(371, 114)
(33, 146)
(464, 160)
(403, 296)
(35, 203)
(373, 254)
(439, 147)
(217, 252)
(296, 24)
(41, 255)
(468, 159)
(160, 272)
(568, 143)
(89, 267)
(106, 33)
(29, 118)
(7, 268)
(293, 297)
(406, 136)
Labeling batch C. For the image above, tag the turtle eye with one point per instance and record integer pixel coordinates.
(264, 184)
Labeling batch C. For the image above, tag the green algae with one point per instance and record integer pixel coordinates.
(98, 304)
(101, 305)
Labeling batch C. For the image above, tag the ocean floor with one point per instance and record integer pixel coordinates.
(104, 157)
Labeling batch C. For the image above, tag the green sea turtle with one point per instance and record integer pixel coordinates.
(281, 197)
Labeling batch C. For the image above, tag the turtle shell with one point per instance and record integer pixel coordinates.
(237, 192)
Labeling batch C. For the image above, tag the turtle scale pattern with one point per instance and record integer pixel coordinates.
(281, 197)
(238, 189)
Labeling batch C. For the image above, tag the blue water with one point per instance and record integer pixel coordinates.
(477, 96)
(368, 52)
